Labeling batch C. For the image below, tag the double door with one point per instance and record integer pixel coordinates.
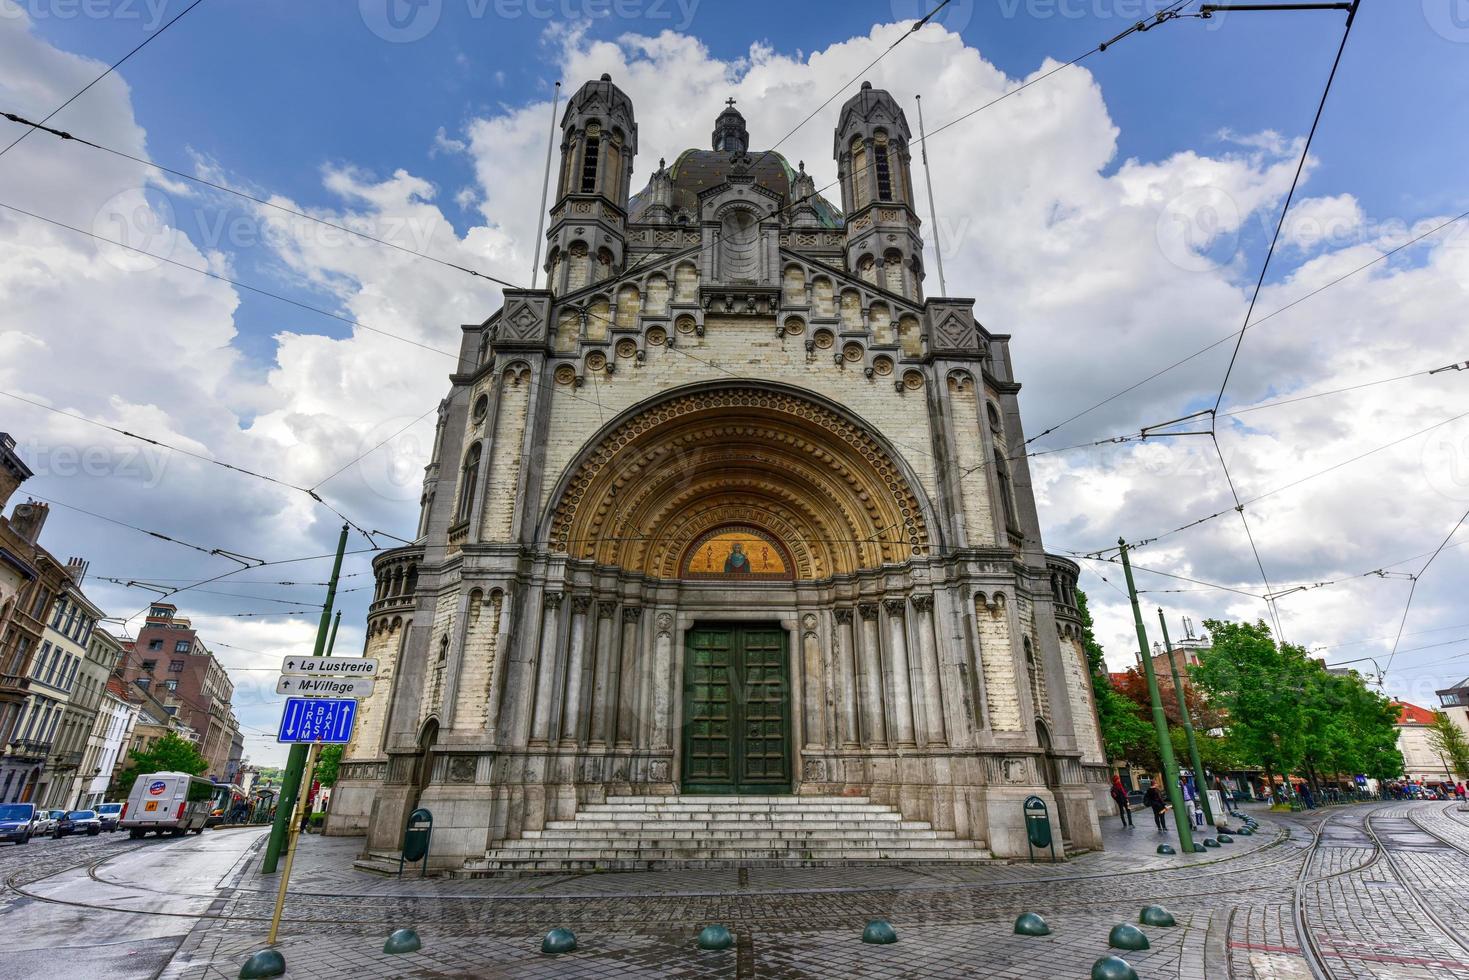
(737, 711)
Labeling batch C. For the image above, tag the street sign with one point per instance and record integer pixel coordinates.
(325, 687)
(317, 720)
(330, 666)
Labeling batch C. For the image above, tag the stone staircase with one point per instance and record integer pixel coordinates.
(653, 832)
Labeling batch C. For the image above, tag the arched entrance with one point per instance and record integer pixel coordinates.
(746, 507)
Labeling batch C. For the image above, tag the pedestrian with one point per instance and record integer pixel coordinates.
(1459, 791)
(1119, 796)
(1154, 801)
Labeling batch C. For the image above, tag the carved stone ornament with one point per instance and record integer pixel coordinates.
(867, 610)
(894, 607)
(808, 621)
(1014, 770)
(665, 624)
(581, 603)
(844, 616)
(606, 608)
(632, 614)
(553, 600)
(814, 771)
(923, 603)
(461, 769)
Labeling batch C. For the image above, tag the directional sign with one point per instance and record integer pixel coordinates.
(317, 720)
(325, 687)
(330, 666)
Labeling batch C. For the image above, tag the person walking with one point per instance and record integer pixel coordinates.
(1154, 801)
(1119, 796)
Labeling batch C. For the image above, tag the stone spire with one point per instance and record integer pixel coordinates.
(730, 133)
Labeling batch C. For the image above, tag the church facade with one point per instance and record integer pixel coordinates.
(728, 509)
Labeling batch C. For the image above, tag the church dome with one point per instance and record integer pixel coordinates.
(698, 170)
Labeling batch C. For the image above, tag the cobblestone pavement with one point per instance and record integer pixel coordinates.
(1377, 890)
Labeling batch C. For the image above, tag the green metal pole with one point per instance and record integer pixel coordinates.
(1160, 720)
(332, 643)
(296, 762)
(1188, 726)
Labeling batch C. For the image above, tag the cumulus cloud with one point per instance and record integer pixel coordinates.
(1103, 271)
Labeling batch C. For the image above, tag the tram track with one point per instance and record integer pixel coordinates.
(1320, 962)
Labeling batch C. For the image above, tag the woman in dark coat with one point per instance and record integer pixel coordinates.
(1119, 796)
(1154, 801)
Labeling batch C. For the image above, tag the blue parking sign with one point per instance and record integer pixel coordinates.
(327, 720)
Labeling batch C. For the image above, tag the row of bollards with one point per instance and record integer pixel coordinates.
(1223, 837)
(1123, 936)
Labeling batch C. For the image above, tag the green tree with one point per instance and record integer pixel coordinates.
(1348, 729)
(1126, 733)
(1261, 687)
(1446, 738)
(328, 761)
(169, 754)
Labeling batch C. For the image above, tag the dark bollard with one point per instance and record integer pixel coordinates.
(879, 932)
(715, 937)
(1156, 915)
(1126, 936)
(1166, 849)
(403, 941)
(1210, 842)
(1224, 839)
(559, 941)
(1030, 924)
(1113, 968)
(266, 963)
(1200, 848)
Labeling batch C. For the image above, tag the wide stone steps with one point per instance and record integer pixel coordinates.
(625, 833)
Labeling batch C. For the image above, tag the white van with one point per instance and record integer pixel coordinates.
(172, 802)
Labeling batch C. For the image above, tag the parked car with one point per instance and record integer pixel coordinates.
(46, 821)
(77, 822)
(109, 814)
(17, 822)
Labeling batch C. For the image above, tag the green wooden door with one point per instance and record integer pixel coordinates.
(737, 729)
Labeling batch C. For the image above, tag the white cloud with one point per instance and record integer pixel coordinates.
(1101, 277)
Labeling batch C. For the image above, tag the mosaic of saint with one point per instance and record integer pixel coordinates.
(737, 553)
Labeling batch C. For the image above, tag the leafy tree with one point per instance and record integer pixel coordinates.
(169, 754)
(1347, 729)
(1448, 740)
(1261, 688)
(1125, 732)
(328, 761)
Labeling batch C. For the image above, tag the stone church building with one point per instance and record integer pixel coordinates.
(728, 548)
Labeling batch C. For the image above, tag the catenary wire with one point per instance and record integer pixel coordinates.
(1414, 587)
(110, 69)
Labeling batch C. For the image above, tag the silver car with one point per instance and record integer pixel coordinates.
(46, 821)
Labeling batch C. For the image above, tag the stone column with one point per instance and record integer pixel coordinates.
(848, 734)
(898, 684)
(604, 690)
(661, 683)
(546, 670)
(934, 730)
(576, 660)
(627, 689)
(813, 687)
(869, 677)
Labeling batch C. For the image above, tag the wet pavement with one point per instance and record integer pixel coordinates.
(1374, 890)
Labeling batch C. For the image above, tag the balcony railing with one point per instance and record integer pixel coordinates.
(28, 748)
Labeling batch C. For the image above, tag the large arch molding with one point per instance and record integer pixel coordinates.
(792, 467)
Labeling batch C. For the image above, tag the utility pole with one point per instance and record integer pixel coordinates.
(296, 762)
(1160, 720)
(1200, 786)
(938, 245)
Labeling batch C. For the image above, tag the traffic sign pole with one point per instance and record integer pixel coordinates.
(295, 817)
(296, 762)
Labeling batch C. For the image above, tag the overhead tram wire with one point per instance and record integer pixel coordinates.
(1101, 553)
(264, 202)
(1161, 17)
(1285, 207)
(110, 69)
(1249, 311)
(1414, 587)
(1227, 337)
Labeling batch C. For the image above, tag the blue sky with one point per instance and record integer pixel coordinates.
(273, 91)
(1058, 204)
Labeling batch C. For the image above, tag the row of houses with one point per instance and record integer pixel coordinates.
(74, 697)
